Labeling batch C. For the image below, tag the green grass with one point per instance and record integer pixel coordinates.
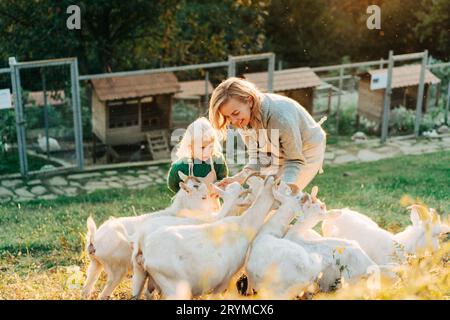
(10, 163)
(42, 234)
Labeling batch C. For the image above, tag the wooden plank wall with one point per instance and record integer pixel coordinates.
(370, 102)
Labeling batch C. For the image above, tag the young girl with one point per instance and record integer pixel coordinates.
(199, 150)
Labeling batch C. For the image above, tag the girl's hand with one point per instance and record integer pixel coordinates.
(224, 182)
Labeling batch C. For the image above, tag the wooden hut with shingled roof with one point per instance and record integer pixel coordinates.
(404, 84)
(125, 109)
(297, 83)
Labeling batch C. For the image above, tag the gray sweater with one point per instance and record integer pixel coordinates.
(301, 140)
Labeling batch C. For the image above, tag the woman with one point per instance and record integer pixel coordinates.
(285, 139)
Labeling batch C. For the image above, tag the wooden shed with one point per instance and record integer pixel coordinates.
(405, 85)
(194, 90)
(125, 109)
(297, 83)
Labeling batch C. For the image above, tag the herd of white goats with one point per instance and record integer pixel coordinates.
(204, 245)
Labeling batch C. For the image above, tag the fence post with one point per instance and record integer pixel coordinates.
(420, 93)
(446, 105)
(76, 105)
(231, 67)
(44, 91)
(206, 93)
(271, 73)
(18, 110)
(387, 99)
(341, 75)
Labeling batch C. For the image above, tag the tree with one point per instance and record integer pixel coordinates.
(33, 30)
(433, 27)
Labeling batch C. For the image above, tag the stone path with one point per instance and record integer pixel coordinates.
(70, 185)
(372, 150)
(19, 190)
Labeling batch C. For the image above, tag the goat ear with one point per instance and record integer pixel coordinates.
(217, 189)
(304, 199)
(435, 218)
(414, 216)
(182, 176)
(445, 228)
(210, 178)
(422, 213)
(283, 187)
(185, 187)
(294, 188)
(277, 194)
(314, 192)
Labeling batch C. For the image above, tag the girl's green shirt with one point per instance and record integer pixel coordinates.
(200, 170)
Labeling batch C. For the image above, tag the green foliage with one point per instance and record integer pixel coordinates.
(8, 126)
(184, 113)
(403, 120)
(347, 122)
(122, 35)
(10, 163)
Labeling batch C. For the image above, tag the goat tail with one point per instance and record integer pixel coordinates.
(92, 228)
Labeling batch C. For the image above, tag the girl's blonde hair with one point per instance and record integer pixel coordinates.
(198, 131)
(234, 88)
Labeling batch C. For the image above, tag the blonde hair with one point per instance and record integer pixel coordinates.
(198, 131)
(234, 88)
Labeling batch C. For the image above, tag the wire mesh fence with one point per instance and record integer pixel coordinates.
(115, 128)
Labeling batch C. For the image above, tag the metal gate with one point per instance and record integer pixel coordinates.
(43, 106)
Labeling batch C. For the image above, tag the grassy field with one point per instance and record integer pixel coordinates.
(40, 239)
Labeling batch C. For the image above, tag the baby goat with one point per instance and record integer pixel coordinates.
(108, 246)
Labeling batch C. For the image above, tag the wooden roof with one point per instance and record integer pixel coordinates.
(54, 98)
(128, 87)
(406, 76)
(193, 89)
(288, 79)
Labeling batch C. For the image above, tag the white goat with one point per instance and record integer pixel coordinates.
(381, 245)
(276, 267)
(233, 197)
(205, 256)
(340, 258)
(423, 235)
(255, 182)
(305, 229)
(109, 246)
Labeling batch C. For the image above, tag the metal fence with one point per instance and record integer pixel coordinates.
(70, 122)
(47, 114)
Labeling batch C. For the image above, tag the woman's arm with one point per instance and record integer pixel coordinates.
(290, 144)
